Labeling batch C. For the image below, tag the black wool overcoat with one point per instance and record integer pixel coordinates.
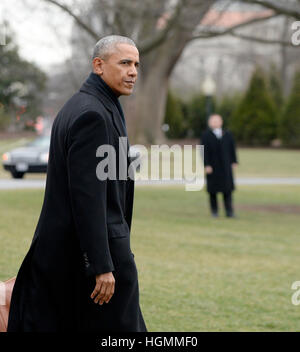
(219, 154)
(83, 229)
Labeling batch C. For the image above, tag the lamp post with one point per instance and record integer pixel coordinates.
(209, 88)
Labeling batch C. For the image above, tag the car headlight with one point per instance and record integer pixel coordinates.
(44, 158)
(6, 157)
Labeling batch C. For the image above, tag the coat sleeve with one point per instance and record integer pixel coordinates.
(88, 194)
(206, 152)
(233, 150)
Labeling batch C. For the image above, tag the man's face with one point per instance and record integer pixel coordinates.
(215, 121)
(119, 70)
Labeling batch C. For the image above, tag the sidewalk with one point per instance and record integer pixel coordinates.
(37, 184)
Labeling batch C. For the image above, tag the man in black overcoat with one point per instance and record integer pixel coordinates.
(79, 273)
(219, 161)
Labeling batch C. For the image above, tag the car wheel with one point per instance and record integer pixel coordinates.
(17, 174)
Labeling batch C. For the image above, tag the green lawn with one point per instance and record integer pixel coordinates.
(8, 144)
(263, 162)
(196, 273)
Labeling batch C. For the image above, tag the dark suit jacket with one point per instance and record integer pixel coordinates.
(83, 229)
(219, 154)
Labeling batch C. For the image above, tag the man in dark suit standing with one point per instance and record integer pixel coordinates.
(219, 160)
(79, 273)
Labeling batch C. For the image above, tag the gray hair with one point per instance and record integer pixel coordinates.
(105, 45)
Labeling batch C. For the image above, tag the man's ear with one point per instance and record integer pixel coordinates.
(98, 66)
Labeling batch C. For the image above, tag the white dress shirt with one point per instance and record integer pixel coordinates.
(218, 132)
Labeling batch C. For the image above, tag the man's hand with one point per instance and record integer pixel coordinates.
(234, 165)
(208, 170)
(104, 289)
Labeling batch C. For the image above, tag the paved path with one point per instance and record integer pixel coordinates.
(37, 184)
(268, 181)
(21, 184)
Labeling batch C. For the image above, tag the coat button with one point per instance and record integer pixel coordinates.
(86, 260)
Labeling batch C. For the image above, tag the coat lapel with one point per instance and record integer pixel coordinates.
(114, 113)
(119, 125)
(117, 121)
(109, 105)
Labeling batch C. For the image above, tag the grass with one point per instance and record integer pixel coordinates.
(264, 162)
(196, 273)
(8, 144)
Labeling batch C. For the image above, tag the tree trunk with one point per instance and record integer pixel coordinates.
(167, 29)
(145, 109)
(283, 55)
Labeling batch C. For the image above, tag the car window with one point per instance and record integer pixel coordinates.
(40, 142)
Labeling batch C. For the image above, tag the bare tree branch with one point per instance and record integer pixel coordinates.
(210, 33)
(261, 40)
(276, 8)
(76, 18)
(144, 47)
(231, 31)
(160, 37)
(223, 11)
(119, 23)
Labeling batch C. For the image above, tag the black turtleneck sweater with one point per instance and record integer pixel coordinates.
(99, 84)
